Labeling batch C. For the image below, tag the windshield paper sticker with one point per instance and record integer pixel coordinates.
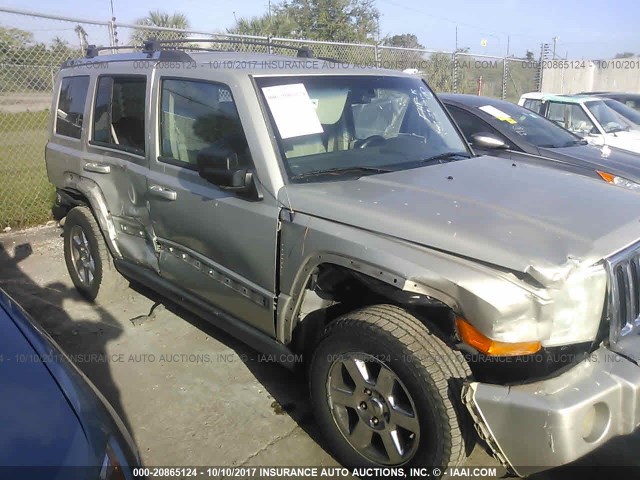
(499, 114)
(292, 109)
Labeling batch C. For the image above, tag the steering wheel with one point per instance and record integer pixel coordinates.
(371, 141)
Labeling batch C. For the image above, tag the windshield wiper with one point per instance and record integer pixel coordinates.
(581, 141)
(340, 171)
(445, 157)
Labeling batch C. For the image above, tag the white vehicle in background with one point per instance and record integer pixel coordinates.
(587, 116)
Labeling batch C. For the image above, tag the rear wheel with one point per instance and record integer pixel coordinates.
(88, 259)
(386, 392)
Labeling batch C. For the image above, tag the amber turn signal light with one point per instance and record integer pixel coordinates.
(474, 338)
(607, 177)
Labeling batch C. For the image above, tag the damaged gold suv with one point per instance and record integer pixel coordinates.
(318, 209)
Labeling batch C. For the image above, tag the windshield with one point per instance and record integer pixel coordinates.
(610, 120)
(622, 109)
(534, 128)
(357, 124)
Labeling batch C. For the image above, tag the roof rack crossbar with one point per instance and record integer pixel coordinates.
(92, 50)
(153, 45)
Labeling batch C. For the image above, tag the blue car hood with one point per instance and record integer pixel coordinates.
(612, 160)
(39, 427)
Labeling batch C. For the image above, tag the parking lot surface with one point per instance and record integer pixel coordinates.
(189, 393)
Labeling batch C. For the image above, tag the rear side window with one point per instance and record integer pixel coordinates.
(533, 105)
(197, 115)
(119, 115)
(70, 112)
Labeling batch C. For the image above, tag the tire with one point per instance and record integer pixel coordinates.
(89, 263)
(386, 338)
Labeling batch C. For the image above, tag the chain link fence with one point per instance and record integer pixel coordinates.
(31, 55)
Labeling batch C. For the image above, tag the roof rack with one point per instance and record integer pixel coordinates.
(154, 45)
(92, 51)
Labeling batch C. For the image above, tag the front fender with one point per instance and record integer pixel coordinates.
(495, 301)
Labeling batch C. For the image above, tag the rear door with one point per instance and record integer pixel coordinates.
(116, 158)
(214, 243)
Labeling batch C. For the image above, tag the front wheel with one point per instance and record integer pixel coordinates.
(386, 392)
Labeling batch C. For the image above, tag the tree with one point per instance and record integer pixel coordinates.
(405, 40)
(334, 20)
(529, 56)
(277, 25)
(624, 55)
(157, 18)
(13, 39)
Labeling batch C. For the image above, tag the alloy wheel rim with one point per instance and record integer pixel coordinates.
(373, 409)
(83, 262)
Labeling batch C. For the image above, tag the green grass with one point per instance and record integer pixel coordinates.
(26, 195)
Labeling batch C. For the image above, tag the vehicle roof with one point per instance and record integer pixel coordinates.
(578, 98)
(473, 100)
(245, 63)
(613, 94)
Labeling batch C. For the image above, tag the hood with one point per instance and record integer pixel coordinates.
(65, 418)
(625, 140)
(612, 160)
(526, 218)
(39, 426)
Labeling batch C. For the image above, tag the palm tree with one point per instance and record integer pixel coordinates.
(277, 25)
(156, 18)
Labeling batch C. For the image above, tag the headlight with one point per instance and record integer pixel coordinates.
(619, 181)
(112, 467)
(577, 308)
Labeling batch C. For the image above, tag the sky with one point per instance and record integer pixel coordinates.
(585, 29)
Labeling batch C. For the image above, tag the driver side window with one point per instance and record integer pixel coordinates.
(196, 115)
(470, 124)
(578, 121)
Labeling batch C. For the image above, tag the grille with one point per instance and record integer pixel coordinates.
(624, 293)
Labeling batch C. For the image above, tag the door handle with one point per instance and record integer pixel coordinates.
(162, 192)
(96, 168)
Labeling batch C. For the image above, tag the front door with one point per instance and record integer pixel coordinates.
(213, 243)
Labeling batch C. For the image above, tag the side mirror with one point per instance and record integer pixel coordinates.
(219, 165)
(488, 141)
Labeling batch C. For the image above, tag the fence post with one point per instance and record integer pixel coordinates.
(540, 68)
(505, 74)
(376, 54)
(455, 72)
(112, 36)
(270, 47)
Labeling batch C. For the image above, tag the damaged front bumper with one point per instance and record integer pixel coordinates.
(552, 422)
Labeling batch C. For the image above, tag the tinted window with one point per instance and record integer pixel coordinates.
(73, 95)
(197, 115)
(529, 126)
(533, 105)
(119, 116)
(471, 124)
(635, 104)
(624, 110)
